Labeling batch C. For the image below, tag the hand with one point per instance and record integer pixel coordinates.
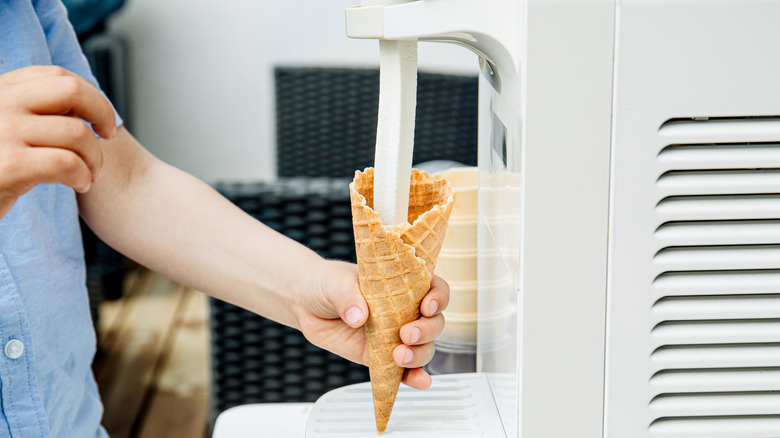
(332, 313)
(42, 136)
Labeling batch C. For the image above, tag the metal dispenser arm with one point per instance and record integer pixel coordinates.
(487, 27)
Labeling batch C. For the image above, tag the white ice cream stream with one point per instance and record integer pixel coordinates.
(395, 129)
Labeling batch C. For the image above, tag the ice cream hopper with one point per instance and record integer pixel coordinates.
(628, 221)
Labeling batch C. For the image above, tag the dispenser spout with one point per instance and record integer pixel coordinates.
(487, 27)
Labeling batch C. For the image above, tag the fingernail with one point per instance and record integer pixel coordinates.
(416, 335)
(354, 315)
(408, 356)
(433, 307)
(114, 131)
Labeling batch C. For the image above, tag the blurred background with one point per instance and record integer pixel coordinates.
(274, 106)
(202, 74)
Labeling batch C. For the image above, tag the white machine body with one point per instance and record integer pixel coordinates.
(629, 156)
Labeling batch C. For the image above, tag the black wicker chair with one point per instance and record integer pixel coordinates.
(326, 120)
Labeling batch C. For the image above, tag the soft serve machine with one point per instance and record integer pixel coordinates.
(629, 231)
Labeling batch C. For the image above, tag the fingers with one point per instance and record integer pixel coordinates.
(418, 348)
(417, 378)
(437, 299)
(68, 133)
(423, 330)
(32, 72)
(340, 286)
(413, 356)
(53, 165)
(56, 91)
(418, 335)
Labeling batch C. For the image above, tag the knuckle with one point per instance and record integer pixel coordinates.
(67, 163)
(71, 87)
(78, 131)
(55, 70)
(61, 71)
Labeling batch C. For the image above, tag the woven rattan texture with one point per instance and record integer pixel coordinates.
(326, 120)
(255, 360)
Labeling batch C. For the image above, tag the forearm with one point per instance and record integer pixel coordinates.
(177, 225)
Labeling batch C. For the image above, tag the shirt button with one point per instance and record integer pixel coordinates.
(14, 349)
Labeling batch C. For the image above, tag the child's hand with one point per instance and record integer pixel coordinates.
(42, 136)
(333, 312)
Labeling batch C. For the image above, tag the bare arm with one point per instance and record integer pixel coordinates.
(177, 225)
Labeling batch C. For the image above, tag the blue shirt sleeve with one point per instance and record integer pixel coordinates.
(62, 41)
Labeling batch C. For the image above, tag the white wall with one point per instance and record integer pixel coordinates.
(202, 74)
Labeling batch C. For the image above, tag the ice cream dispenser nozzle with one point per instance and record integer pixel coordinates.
(486, 27)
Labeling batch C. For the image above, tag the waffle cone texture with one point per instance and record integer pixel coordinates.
(395, 267)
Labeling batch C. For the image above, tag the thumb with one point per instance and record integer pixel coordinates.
(344, 294)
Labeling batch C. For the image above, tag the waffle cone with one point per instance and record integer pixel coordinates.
(395, 266)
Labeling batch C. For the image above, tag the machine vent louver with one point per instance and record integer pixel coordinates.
(716, 334)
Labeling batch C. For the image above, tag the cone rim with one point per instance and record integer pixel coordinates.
(400, 228)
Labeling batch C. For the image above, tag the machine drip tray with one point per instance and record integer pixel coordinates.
(456, 405)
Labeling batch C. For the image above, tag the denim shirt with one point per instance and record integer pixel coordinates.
(47, 341)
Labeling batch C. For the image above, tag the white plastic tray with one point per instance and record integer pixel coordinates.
(456, 405)
(277, 420)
